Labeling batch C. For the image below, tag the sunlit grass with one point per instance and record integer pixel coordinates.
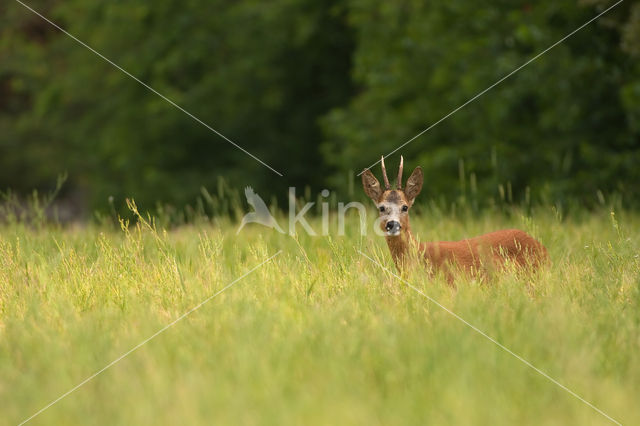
(319, 335)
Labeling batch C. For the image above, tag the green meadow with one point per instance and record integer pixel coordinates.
(319, 334)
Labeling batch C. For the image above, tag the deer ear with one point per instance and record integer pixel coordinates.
(371, 186)
(414, 184)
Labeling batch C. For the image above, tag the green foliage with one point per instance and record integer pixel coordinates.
(258, 72)
(566, 125)
(319, 90)
(320, 335)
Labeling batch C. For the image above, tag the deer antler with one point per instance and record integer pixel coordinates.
(384, 175)
(400, 172)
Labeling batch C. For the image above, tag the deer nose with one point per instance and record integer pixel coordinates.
(392, 225)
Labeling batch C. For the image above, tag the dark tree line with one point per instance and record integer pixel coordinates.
(318, 90)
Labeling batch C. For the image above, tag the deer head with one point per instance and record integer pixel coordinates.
(393, 204)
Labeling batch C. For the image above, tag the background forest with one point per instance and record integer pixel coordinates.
(319, 90)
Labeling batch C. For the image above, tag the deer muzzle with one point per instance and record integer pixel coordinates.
(392, 227)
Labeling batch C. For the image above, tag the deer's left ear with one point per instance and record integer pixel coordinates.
(414, 184)
(371, 186)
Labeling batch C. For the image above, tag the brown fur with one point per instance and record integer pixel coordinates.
(475, 256)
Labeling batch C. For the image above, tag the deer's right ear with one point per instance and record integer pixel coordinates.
(371, 186)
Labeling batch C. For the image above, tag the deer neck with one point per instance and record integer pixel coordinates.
(399, 245)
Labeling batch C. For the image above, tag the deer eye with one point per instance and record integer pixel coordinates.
(405, 208)
(381, 208)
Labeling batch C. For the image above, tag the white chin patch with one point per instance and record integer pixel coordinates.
(393, 233)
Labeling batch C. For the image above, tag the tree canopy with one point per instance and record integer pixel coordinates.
(319, 90)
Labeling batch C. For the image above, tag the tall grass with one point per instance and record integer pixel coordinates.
(319, 335)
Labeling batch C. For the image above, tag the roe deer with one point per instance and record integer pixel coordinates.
(475, 255)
